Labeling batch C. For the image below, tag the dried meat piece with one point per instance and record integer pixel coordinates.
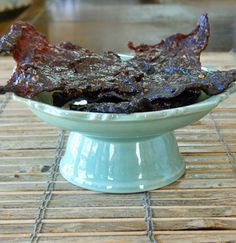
(173, 65)
(141, 104)
(161, 76)
(176, 50)
(66, 67)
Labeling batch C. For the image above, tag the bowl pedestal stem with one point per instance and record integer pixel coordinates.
(121, 165)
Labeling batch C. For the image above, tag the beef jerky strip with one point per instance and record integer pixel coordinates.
(66, 67)
(178, 50)
(173, 65)
(79, 73)
(138, 105)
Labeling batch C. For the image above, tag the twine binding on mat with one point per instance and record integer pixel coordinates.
(230, 156)
(148, 218)
(48, 191)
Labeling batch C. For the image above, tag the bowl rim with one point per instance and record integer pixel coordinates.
(200, 106)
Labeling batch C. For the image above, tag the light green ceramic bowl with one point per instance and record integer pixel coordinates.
(123, 153)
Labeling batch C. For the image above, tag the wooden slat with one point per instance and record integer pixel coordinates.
(115, 237)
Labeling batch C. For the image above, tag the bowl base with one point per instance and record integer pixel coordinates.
(121, 166)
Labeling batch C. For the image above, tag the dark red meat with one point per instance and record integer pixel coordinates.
(159, 76)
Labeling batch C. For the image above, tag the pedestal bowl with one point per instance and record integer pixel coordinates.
(123, 153)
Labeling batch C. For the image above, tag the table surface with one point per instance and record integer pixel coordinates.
(36, 201)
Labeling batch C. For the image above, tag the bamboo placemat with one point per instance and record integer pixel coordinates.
(37, 204)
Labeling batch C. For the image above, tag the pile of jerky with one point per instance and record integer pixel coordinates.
(161, 76)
